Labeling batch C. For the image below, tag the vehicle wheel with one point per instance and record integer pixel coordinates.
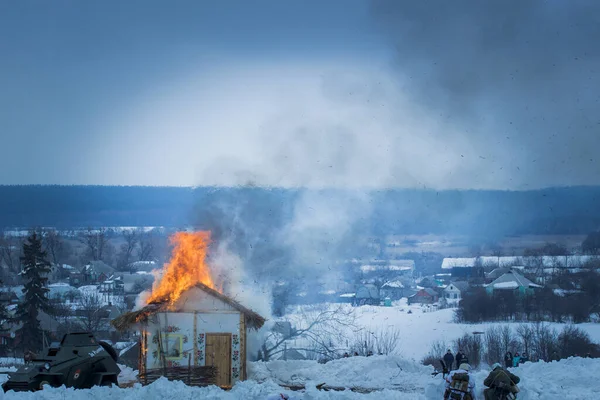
(42, 383)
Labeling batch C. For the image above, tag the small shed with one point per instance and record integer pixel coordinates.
(203, 328)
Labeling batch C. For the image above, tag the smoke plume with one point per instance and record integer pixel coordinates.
(519, 80)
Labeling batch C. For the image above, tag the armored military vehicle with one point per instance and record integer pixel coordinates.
(78, 361)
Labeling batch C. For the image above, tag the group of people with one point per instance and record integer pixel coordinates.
(514, 361)
(450, 359)
(500, 384)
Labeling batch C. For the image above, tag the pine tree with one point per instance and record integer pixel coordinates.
(35, 271)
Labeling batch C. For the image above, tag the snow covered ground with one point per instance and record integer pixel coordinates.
(394, 377)
(421, 328)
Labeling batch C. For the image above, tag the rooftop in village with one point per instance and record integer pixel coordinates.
(512, 280)
(570, 261)
(128, 320)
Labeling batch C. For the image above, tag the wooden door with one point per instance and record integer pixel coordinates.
(218, 354)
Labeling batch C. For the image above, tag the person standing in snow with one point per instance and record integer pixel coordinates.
(524, 358)
(516, 360)
(460, 384)
(501, 384)
(448, 359)
(508, 359)
(459, 358)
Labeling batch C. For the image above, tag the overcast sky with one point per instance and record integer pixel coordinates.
(346, 93)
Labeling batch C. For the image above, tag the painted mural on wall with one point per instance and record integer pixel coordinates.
(201, 345)
(174, 340)
(178, 341)
(235, 357)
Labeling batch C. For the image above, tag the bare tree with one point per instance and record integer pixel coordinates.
(320, 327)
(364, 343)
(54, 245)
(128, 248)
(95, 241)
(493, 345)
(526, 333)
(89, 312)
(10, 251)
(436, 353)
(147, 246)
(507, 337)
(471, 345)
(387, 340)
(545, 341)
(61, 311)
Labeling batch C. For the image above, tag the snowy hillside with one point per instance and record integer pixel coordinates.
(389, 377)
(423, 326)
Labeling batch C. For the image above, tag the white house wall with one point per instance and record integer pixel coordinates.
(198, 300)
(173, 326)
(178, 328)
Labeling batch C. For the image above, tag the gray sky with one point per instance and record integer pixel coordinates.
(469, 94)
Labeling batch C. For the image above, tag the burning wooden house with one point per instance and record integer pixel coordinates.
(189, 330)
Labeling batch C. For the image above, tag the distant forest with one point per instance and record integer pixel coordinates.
(570, 210)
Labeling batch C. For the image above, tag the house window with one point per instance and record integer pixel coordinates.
(172, 346)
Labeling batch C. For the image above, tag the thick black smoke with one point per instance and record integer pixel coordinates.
(520, 78)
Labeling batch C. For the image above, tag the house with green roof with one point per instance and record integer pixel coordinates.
(512, 281)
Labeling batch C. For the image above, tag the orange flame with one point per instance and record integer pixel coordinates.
(186, 268)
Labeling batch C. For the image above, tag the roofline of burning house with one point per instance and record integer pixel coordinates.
(140, 317)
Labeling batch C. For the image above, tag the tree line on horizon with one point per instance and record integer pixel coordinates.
(484, 213)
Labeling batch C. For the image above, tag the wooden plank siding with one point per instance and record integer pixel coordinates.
(243, 347)
(218, 354)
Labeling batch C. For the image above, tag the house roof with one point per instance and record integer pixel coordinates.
(512, 280)
(572, 261)
(497, 272)
(125, 321)
(99, 267)
(460, 285)
(388, 265)
(393, 284)
(428, 291)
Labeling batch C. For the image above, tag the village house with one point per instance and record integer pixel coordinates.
(367, 294)
(463, 268)
(468, 267)
(455, 291)
(393, 290)
(424, 296)
(203, 328)
(95, 272)
(512, 281)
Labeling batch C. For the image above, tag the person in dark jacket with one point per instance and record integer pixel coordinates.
(524, 358)
(460, 356)
(501, 384)
(449, 360)
(508, 357)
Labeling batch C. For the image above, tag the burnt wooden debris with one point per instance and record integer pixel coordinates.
(191, 376)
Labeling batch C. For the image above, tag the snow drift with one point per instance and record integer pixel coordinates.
(392, 377)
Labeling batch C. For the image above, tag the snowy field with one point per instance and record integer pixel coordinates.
(419, 329)
(391, 378)
(384, 377)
